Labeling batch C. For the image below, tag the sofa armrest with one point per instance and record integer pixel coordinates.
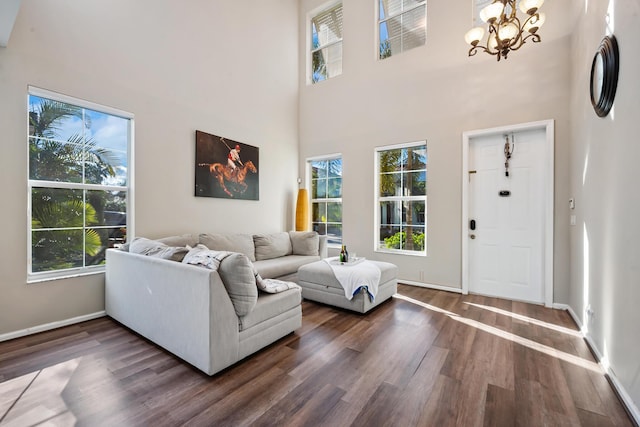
(323, 250)
(181, 307)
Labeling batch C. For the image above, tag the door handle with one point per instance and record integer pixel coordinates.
(472, 224)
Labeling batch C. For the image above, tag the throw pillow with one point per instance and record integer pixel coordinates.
(144, 246)
(270, 246)
(304, 242)
(237, 275)
(201, 255)
(274, 286)
(242, 243)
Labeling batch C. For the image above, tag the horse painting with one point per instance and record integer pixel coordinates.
(222, 180)
(236, 178)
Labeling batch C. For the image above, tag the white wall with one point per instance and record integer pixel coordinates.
(434, 92)
(216, 66)
(605, 254)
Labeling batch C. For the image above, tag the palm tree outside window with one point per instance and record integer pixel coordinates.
(326, 44)
(402, 25)
(326, 198)
(401, 198)
(78, 178)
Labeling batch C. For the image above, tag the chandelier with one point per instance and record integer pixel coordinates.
(506, 31)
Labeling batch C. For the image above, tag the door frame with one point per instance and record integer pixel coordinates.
(548, 186)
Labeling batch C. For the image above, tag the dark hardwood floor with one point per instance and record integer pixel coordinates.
(425, 358)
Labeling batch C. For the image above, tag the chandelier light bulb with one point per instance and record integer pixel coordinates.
(492, 12)
(508, 31)
(530, 6)
(474, 35)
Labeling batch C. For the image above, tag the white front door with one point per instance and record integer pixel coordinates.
(506, 249)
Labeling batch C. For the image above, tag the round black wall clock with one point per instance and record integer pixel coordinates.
(604, 76)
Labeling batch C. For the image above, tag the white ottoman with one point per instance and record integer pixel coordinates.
(320, 284)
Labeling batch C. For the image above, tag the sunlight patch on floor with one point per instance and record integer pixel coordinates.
(424, 304)
(527, 319)
(576, 360)
(36, 397)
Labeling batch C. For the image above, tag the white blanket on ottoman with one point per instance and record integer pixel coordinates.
(363, 275)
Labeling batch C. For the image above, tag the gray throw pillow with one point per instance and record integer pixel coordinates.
(242, 243)
(143, 246)
(238, 277)
(270, 246)
(304, 242)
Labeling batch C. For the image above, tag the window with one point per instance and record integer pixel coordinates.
(326, 198)
(326, 44)
(402, 25)
(401, 198)
(78, 179)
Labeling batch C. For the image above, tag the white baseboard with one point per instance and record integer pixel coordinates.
(558, 306)
(630, 405)
(52, 325)
(430, 286)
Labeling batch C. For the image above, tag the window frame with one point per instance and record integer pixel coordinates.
(378, 199)
(311, 50)
(43, 276)
(312, 200)
(380, 21)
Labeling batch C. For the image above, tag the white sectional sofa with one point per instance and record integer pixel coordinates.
(209, 318)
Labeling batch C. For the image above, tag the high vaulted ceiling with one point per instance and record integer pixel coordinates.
(8, 13)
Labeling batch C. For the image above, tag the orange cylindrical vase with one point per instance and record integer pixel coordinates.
(302, 210)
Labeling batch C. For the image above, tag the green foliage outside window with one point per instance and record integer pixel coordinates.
(326, 198)
(72, 227)
(402, 198)
(399, 241)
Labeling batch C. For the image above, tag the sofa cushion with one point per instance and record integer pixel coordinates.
(237, 275)
(242, 243)
(144, 246)
(270, 246)
(283, 266)
(304, 242)
(182, 240)
(270, 306)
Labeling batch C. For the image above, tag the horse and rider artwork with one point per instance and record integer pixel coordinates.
(225, 168)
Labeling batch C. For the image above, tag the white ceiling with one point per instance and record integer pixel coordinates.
(8, 13)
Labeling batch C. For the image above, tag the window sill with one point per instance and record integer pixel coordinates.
(49, 277)
(399, 252)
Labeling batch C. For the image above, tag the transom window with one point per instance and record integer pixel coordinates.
(402, 25)
(326, 198)
(326, 44)
(401, 198)
(78, 179)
